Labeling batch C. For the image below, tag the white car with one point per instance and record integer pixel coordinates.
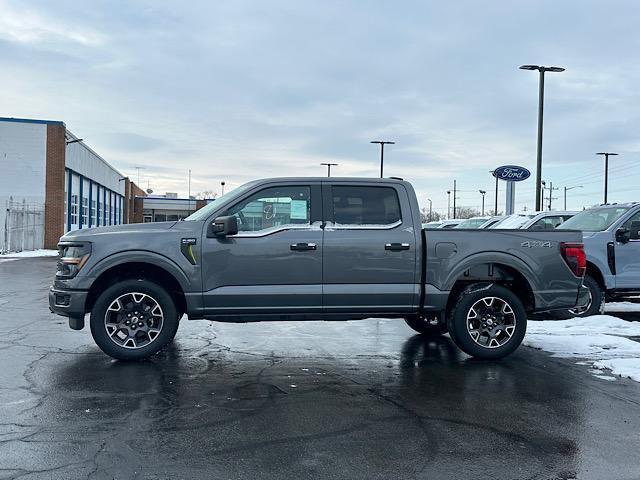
(450, 223)
(534, 220)
(473, 222)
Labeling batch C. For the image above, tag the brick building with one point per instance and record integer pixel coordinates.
(51, 183)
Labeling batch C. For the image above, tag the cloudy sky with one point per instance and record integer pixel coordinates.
(236, 90)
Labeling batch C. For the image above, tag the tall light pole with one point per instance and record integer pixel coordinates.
(482, 192)
(495, 211)
(542, 70)
(329, 165)
(448, 204)
(566, 189)
(606, 171)
(382, 144)
(430, 209)
(222, 184)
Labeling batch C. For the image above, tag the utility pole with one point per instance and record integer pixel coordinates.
(448, 204)
(566, 189)
(454, 199)
(542, 70)
(382, 144)
(430, 209)
(482, 192)
(495, 211)
(606, 171)
(551, 197)
(329, 165)
(189, 192)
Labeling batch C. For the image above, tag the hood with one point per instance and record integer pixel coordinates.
(89, 233)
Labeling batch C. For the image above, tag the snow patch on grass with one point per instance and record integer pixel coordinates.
(602, 340)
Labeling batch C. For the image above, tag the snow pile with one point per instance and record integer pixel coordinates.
(622, 307)
(32, 254)
(600, 339)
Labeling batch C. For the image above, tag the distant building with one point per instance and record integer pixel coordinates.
(164, 208)
(51, 182)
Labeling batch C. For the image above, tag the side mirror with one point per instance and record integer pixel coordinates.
(634, 230)
(623, 235)
(223, 226)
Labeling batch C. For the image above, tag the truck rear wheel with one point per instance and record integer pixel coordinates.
(425, 326)
(487, 321)
(596, 300)
(133, 319)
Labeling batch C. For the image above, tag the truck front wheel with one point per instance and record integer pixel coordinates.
(487, 321)
(133, 319)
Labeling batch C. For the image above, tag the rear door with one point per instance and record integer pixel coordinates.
(369, 260)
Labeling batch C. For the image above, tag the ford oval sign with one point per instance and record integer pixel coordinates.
(511, 173)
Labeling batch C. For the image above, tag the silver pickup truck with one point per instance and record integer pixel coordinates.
(314, 249)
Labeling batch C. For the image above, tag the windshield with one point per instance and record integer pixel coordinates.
(472, 223)
(595, 219)
(205, 211)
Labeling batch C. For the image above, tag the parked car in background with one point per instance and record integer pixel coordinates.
(611, 236)
(450, 223)
(492, 221)
(434, 224)
(473, 222)
(535, 220)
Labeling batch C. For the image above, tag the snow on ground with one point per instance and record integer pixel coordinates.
(31, 254)
(600, 341)
(622, 307)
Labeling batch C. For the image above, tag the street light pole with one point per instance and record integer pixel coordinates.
(454, 199)
(482, 192)
(329, 165)
(448, 204)
(222, 185)
(542, 70)
(606, 171)
(566, 189)
(430, 209)
(382, 144)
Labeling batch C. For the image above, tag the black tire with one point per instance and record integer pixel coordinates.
(122, 290)
(596, 306)
(508, 324)
(425, 327)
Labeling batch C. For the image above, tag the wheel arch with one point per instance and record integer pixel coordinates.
(488, 273)
(138, 269)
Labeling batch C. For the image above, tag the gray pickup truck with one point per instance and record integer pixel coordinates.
(612, 244)
(313, 249)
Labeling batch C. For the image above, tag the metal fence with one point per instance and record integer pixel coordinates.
(23, 226)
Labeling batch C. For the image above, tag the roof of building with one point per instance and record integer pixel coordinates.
(31, 120)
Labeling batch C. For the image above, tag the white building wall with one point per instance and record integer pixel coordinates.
(23, 149)
(83, 160)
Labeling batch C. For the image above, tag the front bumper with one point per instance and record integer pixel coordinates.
(69, 303)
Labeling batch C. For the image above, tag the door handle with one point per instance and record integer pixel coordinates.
(298, 247)
(396, 247)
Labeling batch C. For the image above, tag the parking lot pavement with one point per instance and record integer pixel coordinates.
(353, 400)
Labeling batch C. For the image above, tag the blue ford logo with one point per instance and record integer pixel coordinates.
(511, 173)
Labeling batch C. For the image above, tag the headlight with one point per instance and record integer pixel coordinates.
(71, 258)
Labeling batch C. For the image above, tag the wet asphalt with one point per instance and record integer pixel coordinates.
(311, 400)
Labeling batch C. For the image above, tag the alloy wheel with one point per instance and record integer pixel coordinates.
(491, 322)
(134, 320)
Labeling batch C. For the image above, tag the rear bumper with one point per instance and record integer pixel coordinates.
(69, 303)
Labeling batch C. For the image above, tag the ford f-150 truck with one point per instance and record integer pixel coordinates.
(313, 249)
(612, 244)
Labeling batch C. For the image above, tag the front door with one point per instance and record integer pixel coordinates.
(369, 249)
(274, 264)
(628, 259)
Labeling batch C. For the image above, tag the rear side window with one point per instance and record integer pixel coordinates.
(365, 205)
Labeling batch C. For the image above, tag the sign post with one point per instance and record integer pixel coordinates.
(511, 174)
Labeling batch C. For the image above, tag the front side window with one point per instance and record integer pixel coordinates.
(363, 206)
(274, 208)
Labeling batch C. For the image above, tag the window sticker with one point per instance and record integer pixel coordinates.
(298, 209)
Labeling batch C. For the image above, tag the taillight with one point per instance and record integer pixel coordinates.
(573, 254)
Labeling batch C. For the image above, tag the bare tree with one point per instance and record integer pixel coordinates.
(424, 216)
